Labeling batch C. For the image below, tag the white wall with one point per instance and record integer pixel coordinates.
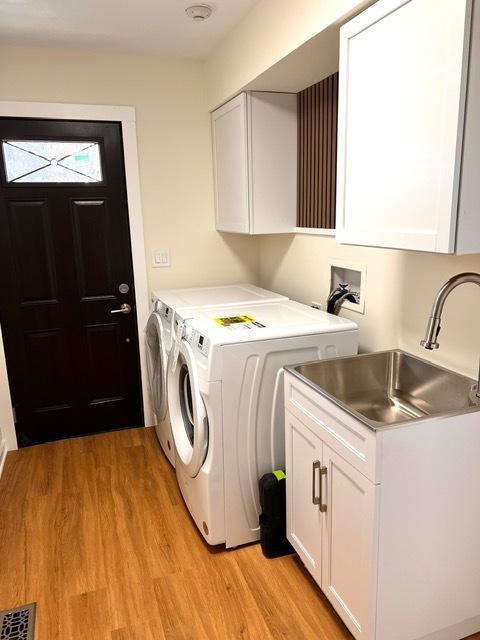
(400, 285)
(171, 101)
(268, 33)
(173, 129)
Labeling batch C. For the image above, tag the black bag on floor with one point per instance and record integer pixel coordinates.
(273, 519)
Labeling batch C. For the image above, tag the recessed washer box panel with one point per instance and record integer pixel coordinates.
(355, 275)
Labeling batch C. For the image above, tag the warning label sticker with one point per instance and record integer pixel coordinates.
(226, 322)
(239, 322)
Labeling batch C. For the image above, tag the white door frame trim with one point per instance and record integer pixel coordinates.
(126, 116)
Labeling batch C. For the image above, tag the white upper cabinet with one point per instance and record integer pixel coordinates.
(230, 157)
(409, 139)
(255, 163)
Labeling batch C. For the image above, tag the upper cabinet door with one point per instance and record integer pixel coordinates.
(255, 163)
(403, 74)
(229, 134)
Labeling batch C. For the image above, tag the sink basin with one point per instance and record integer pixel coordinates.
(389, 387)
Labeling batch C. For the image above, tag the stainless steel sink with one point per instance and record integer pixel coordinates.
(389, 387)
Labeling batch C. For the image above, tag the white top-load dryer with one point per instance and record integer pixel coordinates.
(158, 337)
(225, 398)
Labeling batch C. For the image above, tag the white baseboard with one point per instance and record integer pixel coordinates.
(460, 630)
(3, 454)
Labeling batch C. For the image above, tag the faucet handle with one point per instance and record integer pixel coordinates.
(426, 344)
(433, 329)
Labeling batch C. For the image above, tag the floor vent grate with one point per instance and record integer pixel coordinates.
(18, 624)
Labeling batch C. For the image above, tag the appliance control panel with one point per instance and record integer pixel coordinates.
(182, 329)
(167, 312)
(192, 336)
(163, 310)
(201, 342)
(177, 331)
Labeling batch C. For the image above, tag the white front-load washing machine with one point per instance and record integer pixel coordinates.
(159, 337)
(158, 342)
(225, 399)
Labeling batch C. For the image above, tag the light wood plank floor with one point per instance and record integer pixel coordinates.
(95, 531)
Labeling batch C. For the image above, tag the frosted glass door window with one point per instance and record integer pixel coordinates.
(51, 161)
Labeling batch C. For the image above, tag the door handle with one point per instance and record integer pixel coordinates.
(125, 308)
(318, 500)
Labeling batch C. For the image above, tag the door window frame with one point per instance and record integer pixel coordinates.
(8, 184)
(126, 117)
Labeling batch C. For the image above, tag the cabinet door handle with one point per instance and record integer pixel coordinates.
(323, 472)
(323, 505)
(315, 499)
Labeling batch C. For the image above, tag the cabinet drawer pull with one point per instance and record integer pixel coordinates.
(315, 499)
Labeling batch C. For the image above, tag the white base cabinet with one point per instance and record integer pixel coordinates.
(254, 138)
(386, 522)
(330, 509)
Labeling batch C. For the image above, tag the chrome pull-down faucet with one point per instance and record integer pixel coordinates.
(434, 321)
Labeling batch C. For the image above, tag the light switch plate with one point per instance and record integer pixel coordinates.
(161, 258)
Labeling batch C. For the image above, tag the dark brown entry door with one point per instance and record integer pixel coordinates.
(65, 269)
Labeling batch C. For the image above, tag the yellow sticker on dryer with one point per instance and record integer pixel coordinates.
(231, 320)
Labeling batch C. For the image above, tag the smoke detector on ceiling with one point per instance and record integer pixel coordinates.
(199, 12)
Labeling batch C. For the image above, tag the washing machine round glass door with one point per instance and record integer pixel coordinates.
(156, 363)
(188, 415)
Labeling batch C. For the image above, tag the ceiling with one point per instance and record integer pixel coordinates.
(136, 26)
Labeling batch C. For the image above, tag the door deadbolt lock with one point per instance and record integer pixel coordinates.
(124, 288)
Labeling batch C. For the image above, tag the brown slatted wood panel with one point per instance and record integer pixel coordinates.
(317, 154)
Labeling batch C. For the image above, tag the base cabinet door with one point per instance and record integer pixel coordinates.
(348, 544)
(304, 518)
